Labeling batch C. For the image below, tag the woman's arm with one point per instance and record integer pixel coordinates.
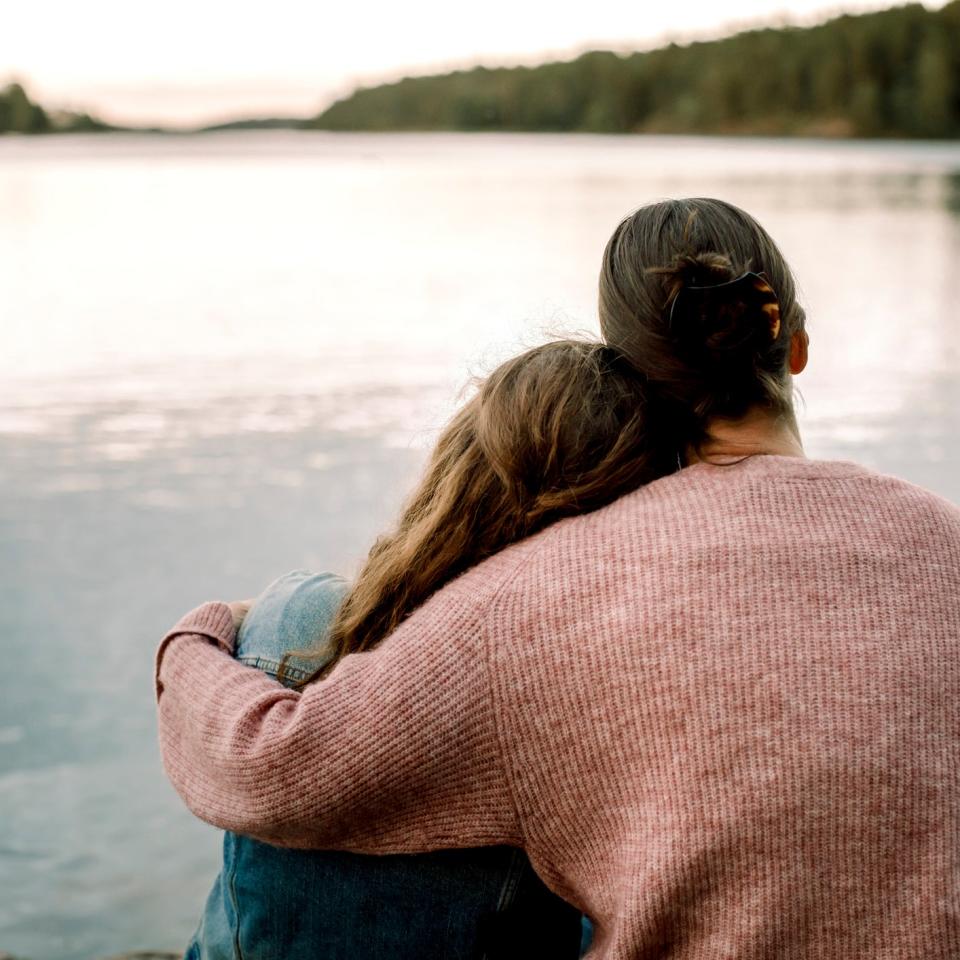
(397, 751)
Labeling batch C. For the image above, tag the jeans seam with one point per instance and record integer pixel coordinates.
(235, 902)
(511, 883)
(512, 880)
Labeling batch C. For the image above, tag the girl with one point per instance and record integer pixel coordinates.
(559, 430)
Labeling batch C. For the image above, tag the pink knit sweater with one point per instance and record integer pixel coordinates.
(722, 716)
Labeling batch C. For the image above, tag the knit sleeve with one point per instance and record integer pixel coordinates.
(396, 751)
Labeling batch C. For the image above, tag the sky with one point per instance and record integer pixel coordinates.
(186, 62)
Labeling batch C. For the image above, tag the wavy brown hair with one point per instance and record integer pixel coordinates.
(559, 430)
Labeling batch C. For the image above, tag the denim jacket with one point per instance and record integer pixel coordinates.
(276, 903)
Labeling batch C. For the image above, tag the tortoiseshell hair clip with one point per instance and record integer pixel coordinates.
(757, 282)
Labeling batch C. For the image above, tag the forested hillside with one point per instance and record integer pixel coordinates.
(19, 114)
(895, 73)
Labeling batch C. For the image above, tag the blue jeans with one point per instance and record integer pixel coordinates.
(275, 903)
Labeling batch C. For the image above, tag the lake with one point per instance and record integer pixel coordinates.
(224, 357)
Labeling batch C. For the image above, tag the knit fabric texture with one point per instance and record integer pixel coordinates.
(721, 715)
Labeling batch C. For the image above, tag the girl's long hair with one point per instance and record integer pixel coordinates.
(559, 430)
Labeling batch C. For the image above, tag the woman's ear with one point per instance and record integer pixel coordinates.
(798, 351)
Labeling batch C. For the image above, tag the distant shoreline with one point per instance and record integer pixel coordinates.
(887, 75)
(734, 136)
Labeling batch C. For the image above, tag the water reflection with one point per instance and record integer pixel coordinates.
(952, 192)
(225, 358)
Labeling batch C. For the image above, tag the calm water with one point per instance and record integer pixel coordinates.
(223, 358)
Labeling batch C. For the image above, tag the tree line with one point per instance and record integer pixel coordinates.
(20, 114)
(894, 73)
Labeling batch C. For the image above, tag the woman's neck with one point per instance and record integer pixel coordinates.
(757, 433)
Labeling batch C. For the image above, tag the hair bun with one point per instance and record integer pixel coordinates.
(715, 353)
(721, 319)
(696, 270)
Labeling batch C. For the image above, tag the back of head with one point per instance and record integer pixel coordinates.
(557, 431)
(682, 296)
(564, 428)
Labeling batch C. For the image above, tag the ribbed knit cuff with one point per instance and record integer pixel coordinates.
(212, 620)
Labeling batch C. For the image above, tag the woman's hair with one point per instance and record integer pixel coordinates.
(559, 430)
(706, 353)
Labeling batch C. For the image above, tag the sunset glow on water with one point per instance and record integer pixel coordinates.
(225, 357)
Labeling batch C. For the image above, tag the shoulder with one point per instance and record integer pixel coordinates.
(461, 612)
(924, 516)
(896, 498)
(781, 500)
(909, 492)
(842, 485)
(472, 591)
(293, 612)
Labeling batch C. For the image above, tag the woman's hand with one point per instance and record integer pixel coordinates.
(239, 609)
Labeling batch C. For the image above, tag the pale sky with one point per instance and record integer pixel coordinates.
(193, 61)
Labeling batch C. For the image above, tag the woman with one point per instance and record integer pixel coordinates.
(556, 431)
(719, 714)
